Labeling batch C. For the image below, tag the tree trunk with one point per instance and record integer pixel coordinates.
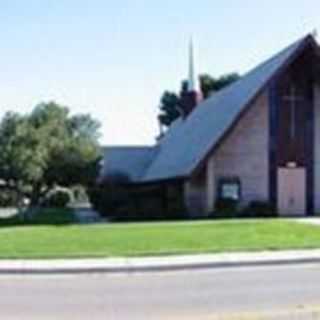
(20, 205)
(35, 195)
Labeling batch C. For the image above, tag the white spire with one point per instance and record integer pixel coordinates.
(193, 81)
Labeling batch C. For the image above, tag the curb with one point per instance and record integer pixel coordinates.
(148, 265)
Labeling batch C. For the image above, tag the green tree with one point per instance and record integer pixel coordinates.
(47, 148)
(170, 106)
(210, 85)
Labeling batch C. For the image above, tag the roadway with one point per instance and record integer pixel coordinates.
(288, 292)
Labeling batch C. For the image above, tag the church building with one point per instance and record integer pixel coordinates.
(256, 140)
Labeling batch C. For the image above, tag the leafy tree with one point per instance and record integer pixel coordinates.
(170, 106)
(210, 85)
(47, 148)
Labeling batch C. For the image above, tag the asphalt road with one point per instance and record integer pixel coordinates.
(278, 292)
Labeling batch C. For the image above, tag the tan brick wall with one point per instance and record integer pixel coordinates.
(244, 153)
(317, 150)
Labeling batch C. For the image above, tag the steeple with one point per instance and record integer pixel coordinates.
(192, 96)
(193, 81)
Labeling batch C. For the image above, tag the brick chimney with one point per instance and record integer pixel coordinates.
(189, 101)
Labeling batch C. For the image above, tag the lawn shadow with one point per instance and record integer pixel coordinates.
(40, 217)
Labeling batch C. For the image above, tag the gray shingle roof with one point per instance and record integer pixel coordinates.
(132, 161)
(189, 141)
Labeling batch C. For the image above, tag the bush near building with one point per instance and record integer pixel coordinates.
(122, 203)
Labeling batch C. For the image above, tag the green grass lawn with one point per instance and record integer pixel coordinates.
(155, 239)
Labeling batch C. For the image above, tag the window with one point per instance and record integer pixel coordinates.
(230, 189)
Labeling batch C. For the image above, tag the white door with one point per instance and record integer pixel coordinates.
(292, 191)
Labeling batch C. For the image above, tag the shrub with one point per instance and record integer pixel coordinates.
(121, 203)
(226, 208)
(52, 216)
(109, 199)
(41, 216)
(57, 199)
(8, 198)
(257, 209)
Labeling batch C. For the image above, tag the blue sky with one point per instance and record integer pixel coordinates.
(113, 59)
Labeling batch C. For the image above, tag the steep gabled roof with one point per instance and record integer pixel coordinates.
(189, 141)
(131, 161)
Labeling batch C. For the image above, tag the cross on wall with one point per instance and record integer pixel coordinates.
(293, 98)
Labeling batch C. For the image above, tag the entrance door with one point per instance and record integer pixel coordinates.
(292, 191)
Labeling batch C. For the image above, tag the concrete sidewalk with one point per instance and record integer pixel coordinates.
(174, 263)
